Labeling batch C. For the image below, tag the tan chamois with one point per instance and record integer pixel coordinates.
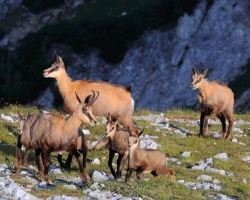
(113, 99)
(117, 142)
(146, 160)
(48, 133)
(214, 98)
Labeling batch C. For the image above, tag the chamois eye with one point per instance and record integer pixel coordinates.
(57, 67)
(135, 141)
(112, 128)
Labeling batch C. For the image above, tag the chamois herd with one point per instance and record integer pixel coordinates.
(83, 100)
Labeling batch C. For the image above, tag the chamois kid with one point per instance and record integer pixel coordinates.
(48, 133)
(214, 98)
(146, 160)
(114, 99)
(116, 141)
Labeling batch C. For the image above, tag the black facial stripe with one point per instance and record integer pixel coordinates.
(54, 69)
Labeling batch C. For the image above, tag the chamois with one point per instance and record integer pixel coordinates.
(214, 97)
(114, 98)
(146, 160)
(116, 142)
(49, 133)
(28, 123)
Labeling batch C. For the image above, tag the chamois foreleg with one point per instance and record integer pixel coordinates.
(25, 158)
(111, 156)
(119, 160)
(46, 163)
(201, 124)
(18, 153)
(128, 174)
(83, 176)
(39, 160)
(222, 118)
(124, 162)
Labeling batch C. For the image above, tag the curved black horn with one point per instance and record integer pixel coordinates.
(94, 97)
(55, 55)
(78, 98)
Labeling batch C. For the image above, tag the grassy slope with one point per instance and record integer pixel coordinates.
(162, 187)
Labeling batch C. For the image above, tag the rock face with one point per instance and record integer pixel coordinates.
(158, 65)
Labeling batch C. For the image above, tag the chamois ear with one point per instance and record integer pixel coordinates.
(129, 131)
(116, 120)
(19, 114)
(204, 72)
(78, 98)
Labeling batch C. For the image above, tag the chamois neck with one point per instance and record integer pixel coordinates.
(64, 83)
(72, 124)
(204, 88)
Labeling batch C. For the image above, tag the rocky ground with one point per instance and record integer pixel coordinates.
(10, 190)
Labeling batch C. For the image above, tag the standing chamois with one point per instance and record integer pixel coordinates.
(117, 142)
(146, 160)
(47, 133)
(214, 97)
(113, 99)
(28, 122)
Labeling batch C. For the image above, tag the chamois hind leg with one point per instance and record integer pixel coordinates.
(230, 125)
(111, 156)
(18, 153)
(82, 165)
(128, 122)
(119, 160)
(222, 118)
(46, 162)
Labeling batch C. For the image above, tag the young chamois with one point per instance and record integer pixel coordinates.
(113, 99)
(146, 160)
(117, 142)
(50, 133)
(214, 97)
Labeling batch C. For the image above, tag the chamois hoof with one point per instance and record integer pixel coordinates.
(200, 135)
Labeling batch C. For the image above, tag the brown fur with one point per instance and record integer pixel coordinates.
(116, 142)
(214, 98)
(48, 133)
(146, 160)
(113, 98)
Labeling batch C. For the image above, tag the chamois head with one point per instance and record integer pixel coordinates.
(56, 68)
(21, 122)
(111, 125)
(197, 78)
(84, 110)
(133, 139)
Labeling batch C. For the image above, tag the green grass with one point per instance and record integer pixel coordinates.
(172, 143)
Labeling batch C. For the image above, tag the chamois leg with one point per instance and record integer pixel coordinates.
(59, 159)
(139, 172)
(167, 172)
(128, 174)
(18, 153)
(111, 156)
(205, 127)
(82, 166)
(39, 160)
(46, 162)
(222, 118)
(201, 124)
(24, 162)
(68, 162)
(119, 160)
(124, 162)
(128, 122)
(230, 125)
